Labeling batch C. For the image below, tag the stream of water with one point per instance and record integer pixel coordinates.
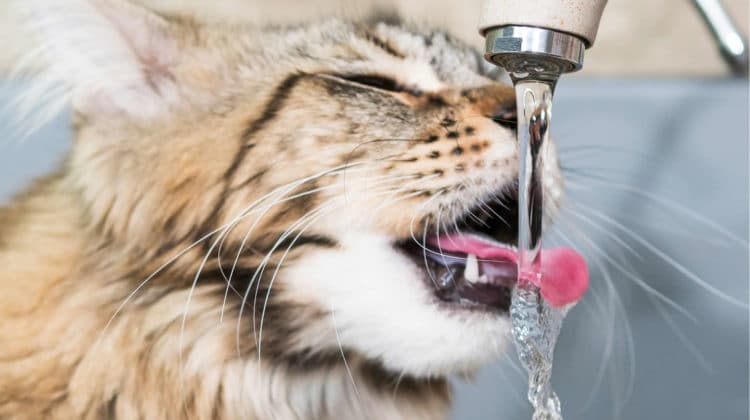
(535, 324)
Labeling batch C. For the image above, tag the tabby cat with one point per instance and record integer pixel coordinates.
(255, 223)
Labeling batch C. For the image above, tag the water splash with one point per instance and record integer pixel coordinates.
(536, 326)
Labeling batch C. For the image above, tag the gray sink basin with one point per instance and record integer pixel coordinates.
(663, 160)
(658, 194)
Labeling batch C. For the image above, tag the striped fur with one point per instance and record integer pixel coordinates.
(219, 242)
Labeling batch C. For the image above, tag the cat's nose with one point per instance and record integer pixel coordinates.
(495, 101)
(506, 118)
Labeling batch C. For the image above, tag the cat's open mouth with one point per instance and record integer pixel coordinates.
(473, 265)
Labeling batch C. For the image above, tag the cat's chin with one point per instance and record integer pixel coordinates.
(384, 308)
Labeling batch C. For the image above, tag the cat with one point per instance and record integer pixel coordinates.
(246, 225)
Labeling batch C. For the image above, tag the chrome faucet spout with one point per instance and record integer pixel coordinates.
(539, 39)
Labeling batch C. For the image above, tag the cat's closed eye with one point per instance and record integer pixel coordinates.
(380, 82)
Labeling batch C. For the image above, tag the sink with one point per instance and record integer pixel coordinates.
(666, 160)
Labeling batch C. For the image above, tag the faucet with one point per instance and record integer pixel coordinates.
(542, 39)
(539, 39)
(732, 46)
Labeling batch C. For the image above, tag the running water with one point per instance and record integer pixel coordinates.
(535, 324)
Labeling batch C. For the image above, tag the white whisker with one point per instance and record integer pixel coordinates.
(343, 356)
(665, 257)
(637, 280)
(666, 203)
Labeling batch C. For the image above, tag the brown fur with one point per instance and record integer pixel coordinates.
(84, 337)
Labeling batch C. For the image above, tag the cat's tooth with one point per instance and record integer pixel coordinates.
(471, 271)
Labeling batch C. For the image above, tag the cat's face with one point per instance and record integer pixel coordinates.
(333, 163)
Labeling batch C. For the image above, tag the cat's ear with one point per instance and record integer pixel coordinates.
(104, 56)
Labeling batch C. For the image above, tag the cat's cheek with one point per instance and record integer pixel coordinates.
(383, 310)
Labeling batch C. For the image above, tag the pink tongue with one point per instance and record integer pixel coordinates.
(564, 278)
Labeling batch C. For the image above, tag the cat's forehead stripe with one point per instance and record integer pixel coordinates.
(383, 44)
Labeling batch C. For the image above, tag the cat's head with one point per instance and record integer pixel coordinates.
(318, 170)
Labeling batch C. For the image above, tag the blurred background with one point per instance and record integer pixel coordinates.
(653, 135)
(636, 37)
